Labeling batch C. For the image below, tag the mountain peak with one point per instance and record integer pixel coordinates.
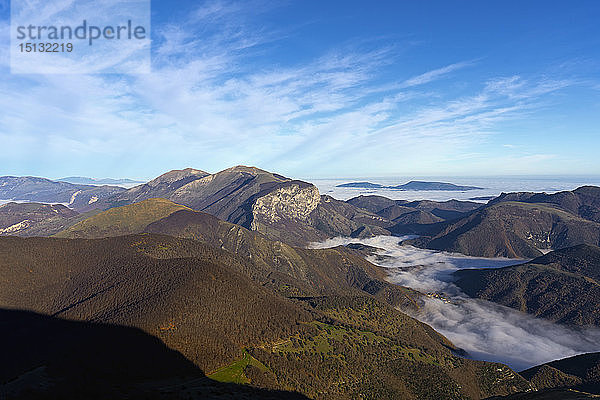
(247, 169)
(255, 172)
(177, 175)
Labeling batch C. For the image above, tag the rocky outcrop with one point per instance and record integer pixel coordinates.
(280, 208)
(291, 202)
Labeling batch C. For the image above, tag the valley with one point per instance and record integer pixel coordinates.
(300, 200)
(483, 329)
(261, 281)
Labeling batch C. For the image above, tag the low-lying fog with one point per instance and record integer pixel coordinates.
(487, 331)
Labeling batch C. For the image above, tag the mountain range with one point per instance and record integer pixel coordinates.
(81, 180)
(78, 197)
(520, 225)
(210, 275)
(280, 208)
(412, 185)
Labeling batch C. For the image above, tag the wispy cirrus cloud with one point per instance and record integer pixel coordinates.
(212, 101)
(435, 74)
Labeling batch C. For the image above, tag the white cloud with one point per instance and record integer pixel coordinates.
(210, 104)
(485, 330)
(434, 74)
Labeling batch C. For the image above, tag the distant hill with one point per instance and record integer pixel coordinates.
(412, 185)
(78, 197)
(35, 219)
(417, 217)
(421, 185)
(80, 180)
(512, 229)
(198, 301)
(561, 286)
(361, 185)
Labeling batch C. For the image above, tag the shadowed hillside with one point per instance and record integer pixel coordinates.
(47, 357)
(513, 229)
(580, 372)
(189, 303)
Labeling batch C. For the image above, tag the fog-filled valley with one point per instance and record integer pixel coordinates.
(486, 330)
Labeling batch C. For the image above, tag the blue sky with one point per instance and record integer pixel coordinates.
(324, 89)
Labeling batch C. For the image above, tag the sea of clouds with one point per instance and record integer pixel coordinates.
(487, 331)
(491, 186)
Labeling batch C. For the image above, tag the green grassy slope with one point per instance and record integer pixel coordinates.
(122, 220)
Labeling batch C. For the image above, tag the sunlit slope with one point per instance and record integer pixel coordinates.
(122, 220)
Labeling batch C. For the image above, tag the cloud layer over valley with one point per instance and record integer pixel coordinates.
(487, 331)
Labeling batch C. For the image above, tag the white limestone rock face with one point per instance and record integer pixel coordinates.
(16, 227)
(292, 202)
